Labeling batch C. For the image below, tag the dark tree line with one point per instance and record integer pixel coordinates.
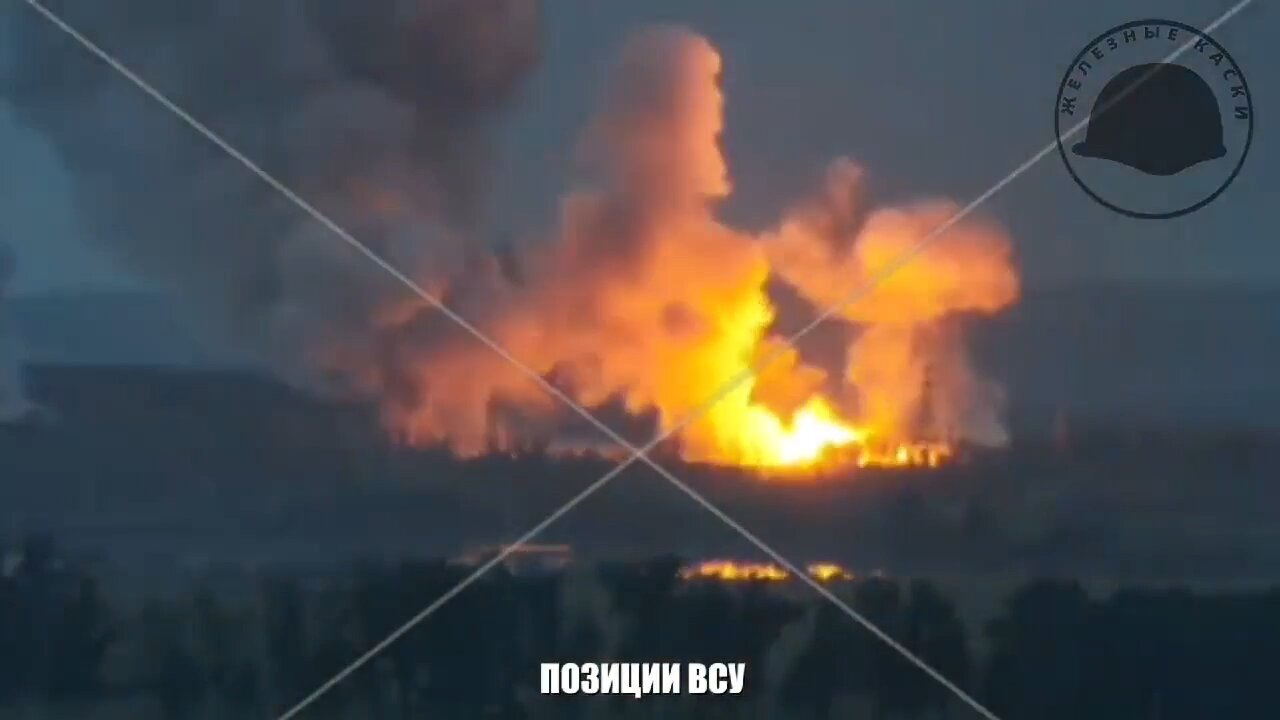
(1050, 652)
(55, 627)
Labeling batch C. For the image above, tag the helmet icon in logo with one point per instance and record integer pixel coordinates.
(1153, 119)
(1157, 118)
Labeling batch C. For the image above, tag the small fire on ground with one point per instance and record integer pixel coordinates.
(734, 571)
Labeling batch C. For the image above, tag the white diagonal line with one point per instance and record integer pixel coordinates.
(636, 453)
(735, 382)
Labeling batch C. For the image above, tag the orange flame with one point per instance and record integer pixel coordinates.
(643, 295)
(828, 572)
(732, 571)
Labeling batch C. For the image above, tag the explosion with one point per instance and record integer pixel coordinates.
(639, 297)
(643, 294)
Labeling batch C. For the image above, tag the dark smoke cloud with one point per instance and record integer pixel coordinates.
(378, 112)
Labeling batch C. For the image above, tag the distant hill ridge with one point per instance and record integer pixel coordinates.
(113, 328)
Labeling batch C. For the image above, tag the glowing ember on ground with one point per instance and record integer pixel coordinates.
(731, 571)
(735, 571)
(828, 572)
(916, 454)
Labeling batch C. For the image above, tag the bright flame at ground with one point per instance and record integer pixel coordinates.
(745, 431)
(734, 571)
(911, 454)
(816, 437)
(828, 572)
(731, 571)
(813, 431)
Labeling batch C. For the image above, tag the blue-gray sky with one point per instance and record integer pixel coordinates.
(932, 97)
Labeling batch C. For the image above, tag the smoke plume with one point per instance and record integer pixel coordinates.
(377, 112)
(639, 295)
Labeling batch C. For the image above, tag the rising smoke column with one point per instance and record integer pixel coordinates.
(641, 293)
(14, 404)
(675, 299)
(378, 112)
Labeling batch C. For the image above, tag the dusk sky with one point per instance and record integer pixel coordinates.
(933, 98)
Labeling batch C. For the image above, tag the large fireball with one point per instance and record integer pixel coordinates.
(644, 294)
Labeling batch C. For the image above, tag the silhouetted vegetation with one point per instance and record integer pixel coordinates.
(1050, 651)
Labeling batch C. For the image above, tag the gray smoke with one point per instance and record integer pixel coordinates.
(14, 404)
(377, 112)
